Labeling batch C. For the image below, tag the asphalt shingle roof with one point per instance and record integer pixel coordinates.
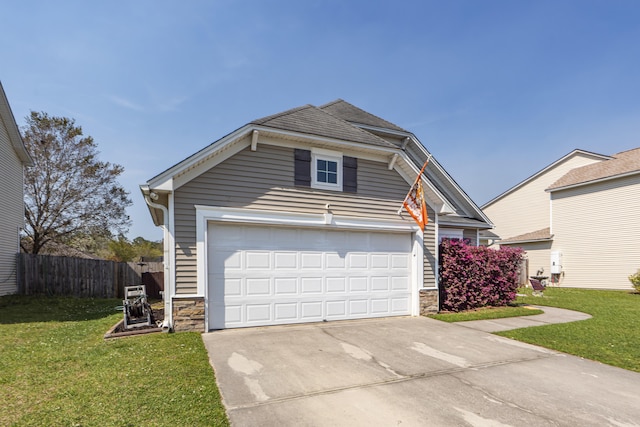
(544, 234)
(315, 121)
(621, 164)
(351, 113)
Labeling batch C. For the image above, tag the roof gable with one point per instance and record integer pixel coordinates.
(310, 124)
(314, 121)
(620, 164)
(9, 123)
(541, 172)
(351, 113)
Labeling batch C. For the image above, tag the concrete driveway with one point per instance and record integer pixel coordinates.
(411, 371)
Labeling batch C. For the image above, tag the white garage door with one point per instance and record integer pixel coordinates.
(259, 275)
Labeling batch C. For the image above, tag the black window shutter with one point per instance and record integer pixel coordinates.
(302, 169)
(349, 174)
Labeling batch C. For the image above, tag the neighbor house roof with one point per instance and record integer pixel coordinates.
(543, 171)
(9, 122)
(621, 164)
(534, 236)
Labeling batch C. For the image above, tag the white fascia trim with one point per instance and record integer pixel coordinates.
(170, 240)
(214, 159)
(162, 181)
(436, 224)
(417, 281)
(361, 152)
(358, 146)
(256, 216)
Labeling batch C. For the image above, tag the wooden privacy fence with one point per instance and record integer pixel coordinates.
(80, 277)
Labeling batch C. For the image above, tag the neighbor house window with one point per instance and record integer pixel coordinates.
(326, 169)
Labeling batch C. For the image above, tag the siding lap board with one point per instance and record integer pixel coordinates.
(264, 179)
(11, 210)
(597, 230)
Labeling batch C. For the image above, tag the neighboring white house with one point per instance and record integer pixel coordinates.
(577, 219)
(13, 159)
(296, 217)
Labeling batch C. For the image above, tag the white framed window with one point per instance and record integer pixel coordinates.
(449, 233)
(326, 169)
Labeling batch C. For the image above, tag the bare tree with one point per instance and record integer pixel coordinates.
(68, 191)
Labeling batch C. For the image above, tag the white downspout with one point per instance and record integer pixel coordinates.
(167, 323)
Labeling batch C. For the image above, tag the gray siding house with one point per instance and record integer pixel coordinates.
(13, 159)
(296, 217)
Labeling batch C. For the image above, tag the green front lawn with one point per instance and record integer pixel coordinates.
(612, 336)
(57, 370)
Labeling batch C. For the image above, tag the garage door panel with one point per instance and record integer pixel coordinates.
(357, 260)
(400, 283)
(380, 283)
(358, 307)
(336, 309)
(311, 285)
(232, 287)
(258, 313)
(286, 311)
(227, 259)
(277, 275)
(357, 284)
(257, 260)
(379, 261)
(336, 284)
(335, 261)
(285, 286)
(311, 311)
(232, 313)
(399, 261)
(399, 305)
(258, 287)
(380, 305)
(311, 260)
(285, 260)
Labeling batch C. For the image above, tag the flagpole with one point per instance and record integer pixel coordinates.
(418, 177)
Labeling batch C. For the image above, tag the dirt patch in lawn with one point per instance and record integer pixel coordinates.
(118, 330)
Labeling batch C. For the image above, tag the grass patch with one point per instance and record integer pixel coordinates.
(487, 313)
(58, 370)
(611, 336)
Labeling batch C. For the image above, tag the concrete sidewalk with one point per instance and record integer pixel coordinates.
(551, 315)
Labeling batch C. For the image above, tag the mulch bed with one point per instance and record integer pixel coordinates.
(118, 330)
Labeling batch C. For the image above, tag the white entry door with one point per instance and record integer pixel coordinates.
(265, 275)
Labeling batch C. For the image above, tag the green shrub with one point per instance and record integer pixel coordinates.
(635, 280)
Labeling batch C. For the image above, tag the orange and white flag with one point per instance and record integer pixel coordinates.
(414, 202)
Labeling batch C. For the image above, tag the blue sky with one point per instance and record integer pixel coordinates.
(495, 89)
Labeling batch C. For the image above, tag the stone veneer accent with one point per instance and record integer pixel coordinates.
(188, 314)
(429, 301)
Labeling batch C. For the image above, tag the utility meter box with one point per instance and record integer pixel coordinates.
(556, 262)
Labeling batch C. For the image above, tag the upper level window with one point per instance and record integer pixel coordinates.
(326, 169)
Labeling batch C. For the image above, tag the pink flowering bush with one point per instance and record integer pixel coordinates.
(476, 276)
